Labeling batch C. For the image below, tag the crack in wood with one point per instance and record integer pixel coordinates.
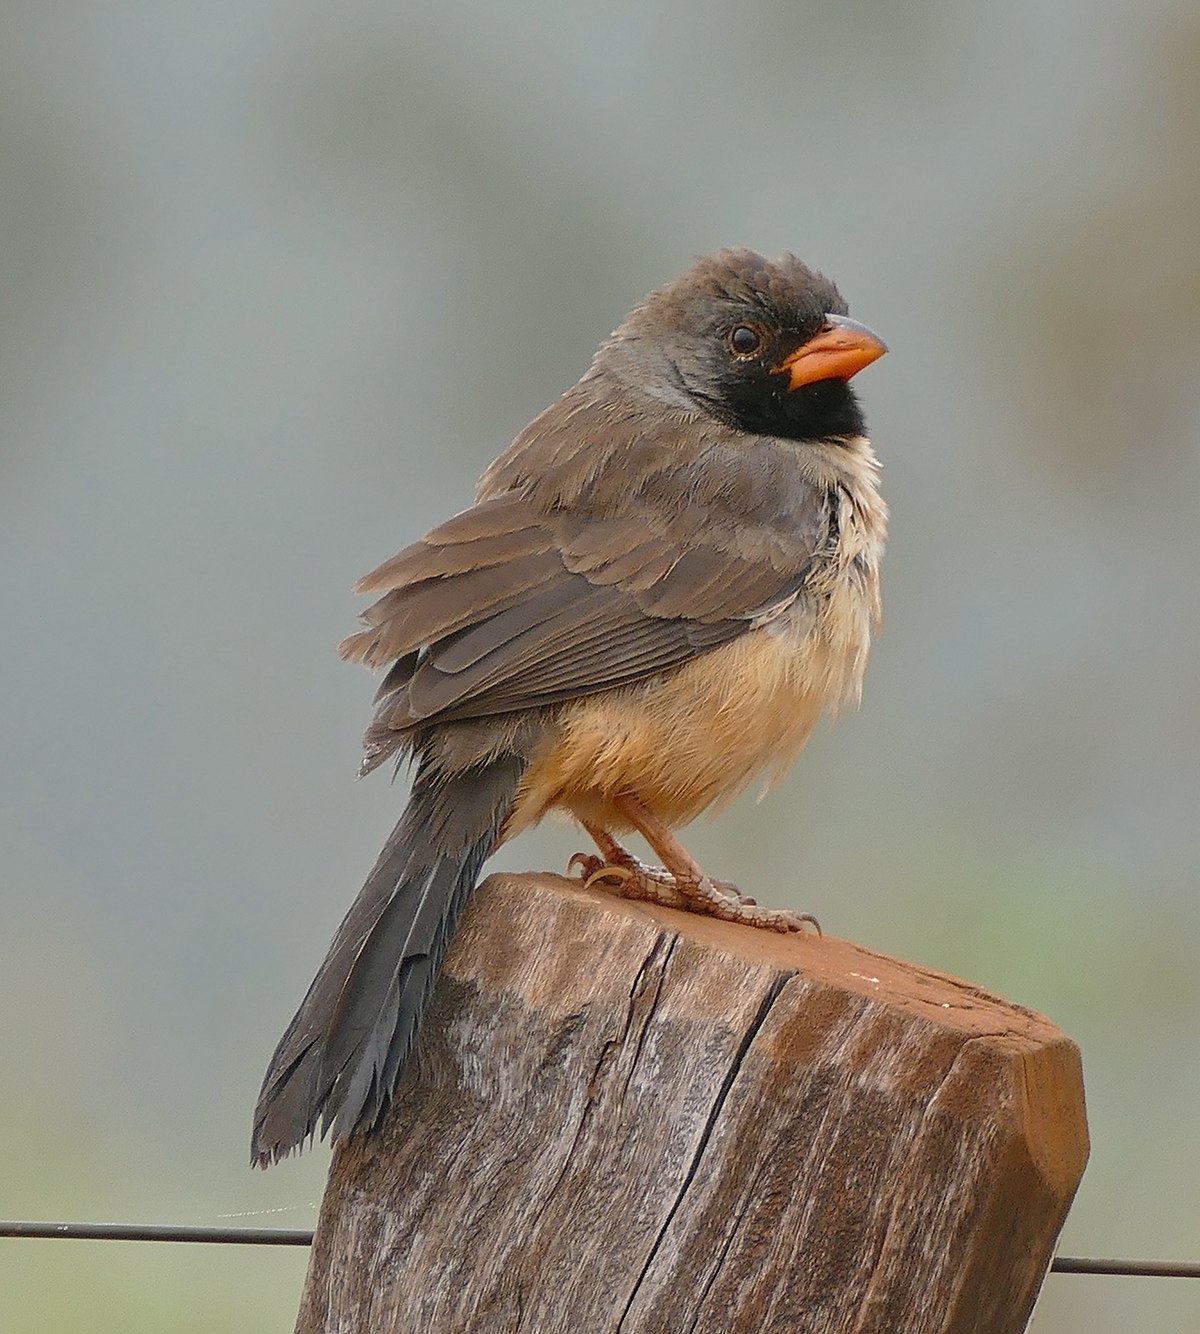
(778, 982)
(653, 964)
(738, 1219)
(611, 1049)
(650, 1013)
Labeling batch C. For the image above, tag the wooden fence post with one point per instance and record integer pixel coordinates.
(623, 1118)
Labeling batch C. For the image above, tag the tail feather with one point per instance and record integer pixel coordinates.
(341, 1056)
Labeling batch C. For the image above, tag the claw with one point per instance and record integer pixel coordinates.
(581, 859)
(593, 868)
(608, 873)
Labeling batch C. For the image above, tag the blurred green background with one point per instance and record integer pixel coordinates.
(280, 278)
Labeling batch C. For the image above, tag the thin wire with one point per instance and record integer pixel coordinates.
(237, 1236)
(1127, 1268)
(272, 1236)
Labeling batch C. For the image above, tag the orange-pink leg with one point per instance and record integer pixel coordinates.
(630, 877)
(679, 882)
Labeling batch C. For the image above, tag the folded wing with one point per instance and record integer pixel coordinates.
(504, 608)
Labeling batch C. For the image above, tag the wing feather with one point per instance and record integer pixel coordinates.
(513, 604)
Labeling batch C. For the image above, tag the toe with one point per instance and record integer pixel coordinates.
(587, 863)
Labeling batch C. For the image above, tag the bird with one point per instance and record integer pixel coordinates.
(664, 582)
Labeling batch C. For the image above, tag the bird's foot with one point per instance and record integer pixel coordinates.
(628, 878)
(633, 879)
(718, 898)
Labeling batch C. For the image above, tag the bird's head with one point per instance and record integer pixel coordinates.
(764, 345)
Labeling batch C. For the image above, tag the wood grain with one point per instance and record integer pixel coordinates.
(623, 1118)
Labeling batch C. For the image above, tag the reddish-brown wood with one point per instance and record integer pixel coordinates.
(623, 1118)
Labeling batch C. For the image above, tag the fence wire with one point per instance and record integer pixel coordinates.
(273, 1236)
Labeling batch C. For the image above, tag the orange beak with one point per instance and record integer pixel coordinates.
(840, 349)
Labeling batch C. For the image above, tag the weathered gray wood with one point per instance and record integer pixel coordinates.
(623, 1118)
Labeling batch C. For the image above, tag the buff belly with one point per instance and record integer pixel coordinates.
(696, 736)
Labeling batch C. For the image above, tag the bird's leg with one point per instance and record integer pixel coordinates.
(697, 890)
(633, 878)
(619, 864)
(681, 883)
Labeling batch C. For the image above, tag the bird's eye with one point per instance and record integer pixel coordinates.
(745, 340)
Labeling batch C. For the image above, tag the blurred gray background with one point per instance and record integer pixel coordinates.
(280, 279)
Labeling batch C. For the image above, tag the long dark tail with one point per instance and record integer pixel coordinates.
(341, 1056)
